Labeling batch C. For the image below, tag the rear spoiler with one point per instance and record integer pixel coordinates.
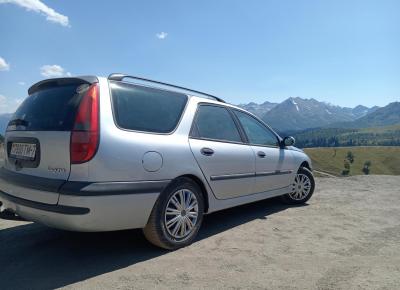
(49, 83)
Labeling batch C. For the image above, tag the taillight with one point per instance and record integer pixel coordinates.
(85, 133)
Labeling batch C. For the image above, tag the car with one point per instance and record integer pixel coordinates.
(91, 153)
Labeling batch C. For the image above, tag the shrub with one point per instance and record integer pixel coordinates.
(350, 156)
(346, 165)
(366, 167)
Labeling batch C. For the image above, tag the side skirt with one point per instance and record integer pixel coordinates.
(218, 204)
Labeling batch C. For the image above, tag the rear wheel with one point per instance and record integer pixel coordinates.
(302, 188)
(177, 215)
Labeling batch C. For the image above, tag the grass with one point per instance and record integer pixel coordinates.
(384, 159)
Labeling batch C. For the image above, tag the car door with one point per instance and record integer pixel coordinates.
(273, 164)
(226, 161)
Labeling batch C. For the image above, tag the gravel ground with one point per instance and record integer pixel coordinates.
(347, 237)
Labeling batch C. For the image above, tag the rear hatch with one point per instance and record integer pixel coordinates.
(38, 137)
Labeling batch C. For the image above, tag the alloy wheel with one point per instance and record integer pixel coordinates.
(301, 187)
(181, 214)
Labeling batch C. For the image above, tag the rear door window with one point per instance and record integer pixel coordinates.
(215, 123)
(50, 109)
(146, 109)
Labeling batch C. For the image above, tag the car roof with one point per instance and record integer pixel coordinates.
(121, 77)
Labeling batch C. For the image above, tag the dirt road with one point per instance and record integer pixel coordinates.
(347, 237)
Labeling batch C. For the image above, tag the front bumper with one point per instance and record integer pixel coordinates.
(102, 206)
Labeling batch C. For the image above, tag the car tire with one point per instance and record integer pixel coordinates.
(302, 188)
(171, 210)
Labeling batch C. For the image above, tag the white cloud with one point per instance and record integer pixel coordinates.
(3, 64)
(41, 8)
(162, 35)
(53, 71)
(7, 105)
(21, 83)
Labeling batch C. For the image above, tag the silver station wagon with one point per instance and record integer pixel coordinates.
(102, 154)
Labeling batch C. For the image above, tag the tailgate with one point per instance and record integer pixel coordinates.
(37, 141)
(51, 161)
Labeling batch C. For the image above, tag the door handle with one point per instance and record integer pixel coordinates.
(207, 151)
(261, 154)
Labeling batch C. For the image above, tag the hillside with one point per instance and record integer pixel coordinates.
(360, 110)
(384, 160)
(388, 115)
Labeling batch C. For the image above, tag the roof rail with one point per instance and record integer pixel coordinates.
(120, 77)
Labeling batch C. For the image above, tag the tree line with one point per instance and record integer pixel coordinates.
(347, 137)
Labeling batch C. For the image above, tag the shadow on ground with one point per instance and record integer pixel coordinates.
(36, 257)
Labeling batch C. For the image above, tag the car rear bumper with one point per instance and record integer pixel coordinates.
(83, 206)
(87, 214)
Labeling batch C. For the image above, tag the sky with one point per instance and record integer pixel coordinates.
(342, 52)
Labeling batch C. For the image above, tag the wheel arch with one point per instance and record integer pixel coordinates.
(306, 165)
(200, 183)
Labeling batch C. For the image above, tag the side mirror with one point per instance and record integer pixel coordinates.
(288, 141)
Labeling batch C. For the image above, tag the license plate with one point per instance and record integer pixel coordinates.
(23, 151)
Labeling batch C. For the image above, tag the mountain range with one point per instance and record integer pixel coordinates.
(385, 116)
(298, 114)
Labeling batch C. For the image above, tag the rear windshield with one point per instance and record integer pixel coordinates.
(50, 109)
(146, 109)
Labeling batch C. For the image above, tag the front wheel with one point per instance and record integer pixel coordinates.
(177, 215)
(302, 188)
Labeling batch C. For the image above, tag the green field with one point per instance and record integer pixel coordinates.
(384, 159)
